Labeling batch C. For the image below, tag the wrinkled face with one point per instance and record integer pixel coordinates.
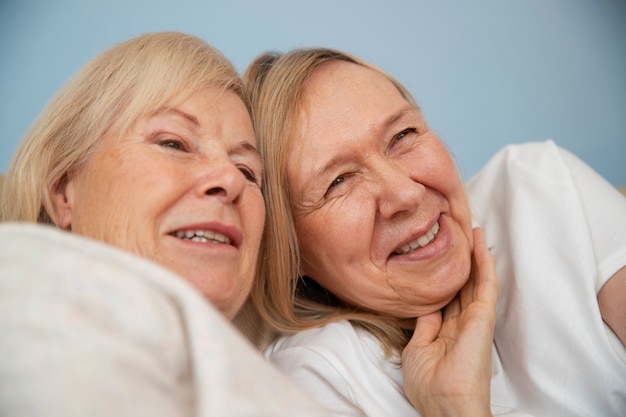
(381, 214)
(182, 189)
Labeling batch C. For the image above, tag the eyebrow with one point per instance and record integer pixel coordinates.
(247, 147)
(339, 159)
(193, 119)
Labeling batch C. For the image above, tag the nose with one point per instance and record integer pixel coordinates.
(222, 180)
(397, 191)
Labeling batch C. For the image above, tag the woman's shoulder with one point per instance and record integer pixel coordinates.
(344, 366)
(341, 345)
(337, 335)
(537, 164)
(530, 160)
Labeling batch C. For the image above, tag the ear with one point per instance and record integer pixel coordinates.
(62, 199)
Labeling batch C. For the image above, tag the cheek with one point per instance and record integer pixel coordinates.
(462, 214)
(310, 239)
(98, 205)
(333, 239)
(253, 213)
(114, 222)
(456, 196)
(120, 212)
(443, 176)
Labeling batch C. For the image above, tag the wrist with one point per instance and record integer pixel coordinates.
(447, 407)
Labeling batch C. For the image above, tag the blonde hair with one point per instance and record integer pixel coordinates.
(108, 95)
(286, 301)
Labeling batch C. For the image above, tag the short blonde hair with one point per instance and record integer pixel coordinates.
(275, 84)
(108, 95)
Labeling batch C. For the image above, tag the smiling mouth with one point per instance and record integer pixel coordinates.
(420, 242)
(202, 236)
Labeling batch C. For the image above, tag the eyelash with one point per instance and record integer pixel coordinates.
(180, 145)
(249, 174)
(404, 133)
(397, 138)
(337, 181)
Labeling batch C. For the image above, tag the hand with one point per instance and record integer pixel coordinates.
(447, 363)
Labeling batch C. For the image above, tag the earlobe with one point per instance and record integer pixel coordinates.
(62, 199)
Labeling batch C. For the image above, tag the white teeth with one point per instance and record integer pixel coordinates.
(203, 236)
(420, 242)
(423, 240)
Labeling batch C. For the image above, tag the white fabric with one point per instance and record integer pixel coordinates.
(88, 330)
(344, 368)
(558, 232)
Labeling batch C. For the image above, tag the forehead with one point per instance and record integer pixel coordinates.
(209, 113)
(209, 108)
(346, 109)
(343, 97)
(340, 93)
(337, 74)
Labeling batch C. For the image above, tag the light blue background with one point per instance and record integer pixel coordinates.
(486, 72)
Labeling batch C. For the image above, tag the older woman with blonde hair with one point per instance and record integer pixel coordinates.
(148, 157)
(385, 269)
(108, 95)
(115, 151)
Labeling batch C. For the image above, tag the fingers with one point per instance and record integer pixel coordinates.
(466, 295)
(426, 330)
(480, 251)
(453, 309)
(483, 270)
(486, 285)
(447, 363)
(482, 286)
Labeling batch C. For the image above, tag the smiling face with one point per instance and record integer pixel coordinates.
(182, 189)
(380, 211)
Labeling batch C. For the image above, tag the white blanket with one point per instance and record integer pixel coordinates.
(88, 330)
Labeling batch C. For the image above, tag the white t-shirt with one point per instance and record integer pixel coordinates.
(558, 233)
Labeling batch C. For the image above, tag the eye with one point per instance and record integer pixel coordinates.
(337, 181)
(173, 143)
(404, 134)
(249, 174)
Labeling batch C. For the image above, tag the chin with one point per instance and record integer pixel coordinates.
(228, 301)
(445, 294)
(455, 276)
(411, 313)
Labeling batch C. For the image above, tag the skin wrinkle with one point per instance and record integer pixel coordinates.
(171, 190)
(391, 188)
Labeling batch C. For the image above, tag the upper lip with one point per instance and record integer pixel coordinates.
(232, 233)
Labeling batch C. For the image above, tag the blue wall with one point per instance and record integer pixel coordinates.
(486, 72)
